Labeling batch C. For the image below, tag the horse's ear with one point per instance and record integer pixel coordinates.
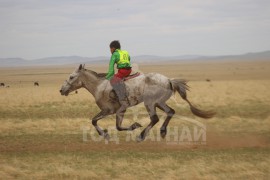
(80, 67)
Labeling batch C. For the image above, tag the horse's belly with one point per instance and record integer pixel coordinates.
(135, 95)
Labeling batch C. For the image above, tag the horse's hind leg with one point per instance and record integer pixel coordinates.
(154, 119)
(170, 112)
(119, 120)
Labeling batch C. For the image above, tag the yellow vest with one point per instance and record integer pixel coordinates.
(124, 57)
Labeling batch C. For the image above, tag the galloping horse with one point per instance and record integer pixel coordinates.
(153, 89)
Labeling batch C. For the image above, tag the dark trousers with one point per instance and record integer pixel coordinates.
(119, 85)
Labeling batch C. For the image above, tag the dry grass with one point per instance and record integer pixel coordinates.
(191, 164)
(41, 132)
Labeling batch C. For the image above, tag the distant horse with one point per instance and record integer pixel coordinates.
(2, 84)
(36, 83)
(153, 89)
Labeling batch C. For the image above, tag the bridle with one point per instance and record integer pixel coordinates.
(70, 86)
(68, 83)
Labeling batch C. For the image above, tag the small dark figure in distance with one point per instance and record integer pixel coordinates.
(36, 83)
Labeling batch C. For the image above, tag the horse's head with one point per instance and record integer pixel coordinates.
(73, 82)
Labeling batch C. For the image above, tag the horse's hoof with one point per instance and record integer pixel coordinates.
(139, 139)
(106, 136)
(163, 134)
(138, 124)
(135, 126)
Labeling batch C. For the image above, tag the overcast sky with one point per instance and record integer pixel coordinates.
(43, 28)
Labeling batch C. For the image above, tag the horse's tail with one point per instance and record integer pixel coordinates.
(181, 87)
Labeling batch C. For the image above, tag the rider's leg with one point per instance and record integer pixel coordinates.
(119, 86)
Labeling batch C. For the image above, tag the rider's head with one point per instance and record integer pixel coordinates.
(115, 45)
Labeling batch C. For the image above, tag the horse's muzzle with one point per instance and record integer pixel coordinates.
(64, 93)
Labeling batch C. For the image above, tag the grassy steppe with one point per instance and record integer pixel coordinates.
(42, 133)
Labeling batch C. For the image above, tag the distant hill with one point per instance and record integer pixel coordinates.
(248, 56)
(65, 60)
(6, 62)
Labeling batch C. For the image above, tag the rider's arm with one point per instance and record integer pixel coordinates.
(111, 66)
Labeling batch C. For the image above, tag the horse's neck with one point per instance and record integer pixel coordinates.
(90, 82)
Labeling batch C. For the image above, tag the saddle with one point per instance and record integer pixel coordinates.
(119, 92)
(132, 76)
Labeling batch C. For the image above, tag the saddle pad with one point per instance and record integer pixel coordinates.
(132, 76)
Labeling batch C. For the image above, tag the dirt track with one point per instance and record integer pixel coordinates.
(74, 143)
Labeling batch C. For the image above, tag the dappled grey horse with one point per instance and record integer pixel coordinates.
(152, 89)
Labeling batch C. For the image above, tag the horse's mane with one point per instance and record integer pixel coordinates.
(98, 75)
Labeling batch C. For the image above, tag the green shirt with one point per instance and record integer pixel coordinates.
(115, 58)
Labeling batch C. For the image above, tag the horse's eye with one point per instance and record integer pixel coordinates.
(71, 77)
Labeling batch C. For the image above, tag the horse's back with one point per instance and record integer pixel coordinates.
(148, 80)
(151, 87)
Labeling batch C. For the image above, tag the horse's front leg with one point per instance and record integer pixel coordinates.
(119, 120)
(99, 116)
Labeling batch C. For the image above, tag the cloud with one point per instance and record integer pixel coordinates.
(36, 28)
